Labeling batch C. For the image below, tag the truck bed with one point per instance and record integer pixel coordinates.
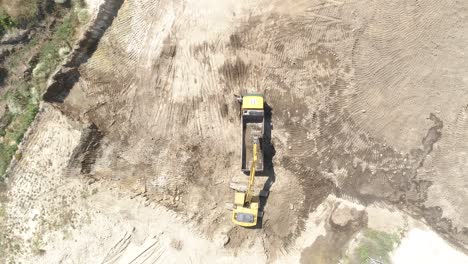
(250, 128)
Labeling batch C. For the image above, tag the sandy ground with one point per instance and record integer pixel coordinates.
(424, 246)
(62, 218)
(93, 6)
(368, 109)
(130, 232)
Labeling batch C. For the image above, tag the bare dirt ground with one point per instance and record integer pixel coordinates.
(369, 110)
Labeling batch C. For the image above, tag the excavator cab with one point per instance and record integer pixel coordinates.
(244, 216)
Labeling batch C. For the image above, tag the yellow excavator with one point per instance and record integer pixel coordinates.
(245, 212)
(245, 209)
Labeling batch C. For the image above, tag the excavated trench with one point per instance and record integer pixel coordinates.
(64, 79)
(84, 156)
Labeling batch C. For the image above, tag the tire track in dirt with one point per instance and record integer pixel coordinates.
(390, 86)
(156, 112)
(387, 173)
(160, 87)
(397, 93)
(294, 93)
(118, 249)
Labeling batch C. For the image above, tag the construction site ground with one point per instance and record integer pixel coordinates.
(138, 138)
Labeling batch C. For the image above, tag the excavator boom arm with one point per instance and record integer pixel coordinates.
(249, 194)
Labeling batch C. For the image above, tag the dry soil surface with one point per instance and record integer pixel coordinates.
(368, 103)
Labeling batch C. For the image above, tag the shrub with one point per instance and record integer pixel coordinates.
(6, 22)
(376, 245)
(21, 11)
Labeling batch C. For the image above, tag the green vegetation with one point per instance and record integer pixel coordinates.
(6, 22)
(3, 235)
(23, 97)
(22, 108)
(37, 243)
(376, 245)
(51, 55)
(21, 12)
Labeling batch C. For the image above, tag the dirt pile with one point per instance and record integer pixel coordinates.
(345, 217)
(344, 221)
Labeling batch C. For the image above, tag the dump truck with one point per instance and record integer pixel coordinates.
(245, 209)
(252, 120)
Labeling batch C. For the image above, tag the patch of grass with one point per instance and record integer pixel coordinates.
(17, 99)
(21, 11)
(23, 98)
(376, 246)
(21, 123)
(6, 153)
(84, 193)
(37, 243)
(3, 234)
(66, 30)
(14, 134)
(83, 15)
(2, 211)
(87, 219)
(49, 56)
(21, 59)
(6, 22)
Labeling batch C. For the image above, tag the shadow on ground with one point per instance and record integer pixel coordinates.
(268, 154)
